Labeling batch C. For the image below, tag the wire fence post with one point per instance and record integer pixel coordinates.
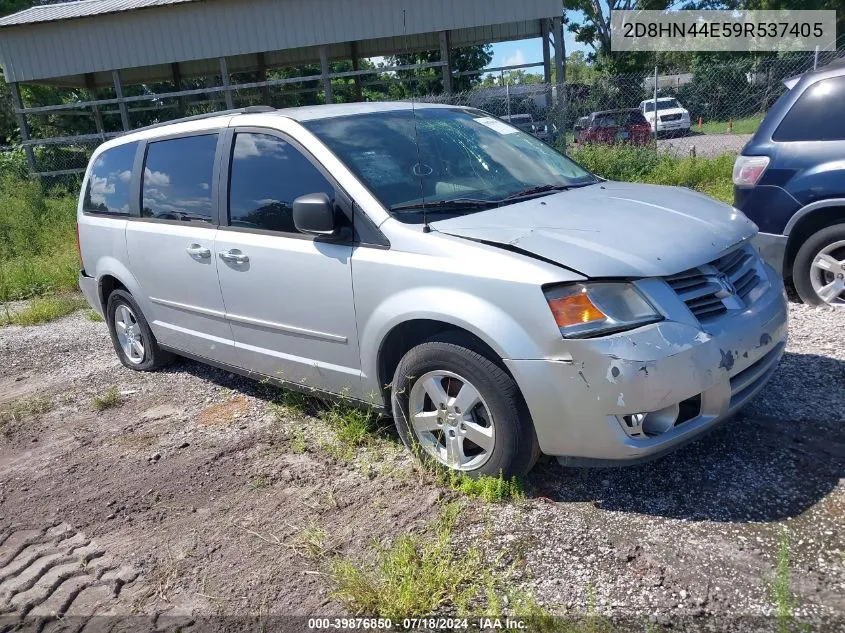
(655, 105)
(816, 58)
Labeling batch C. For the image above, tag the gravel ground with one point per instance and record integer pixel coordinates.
(705, 144)
(198, 494)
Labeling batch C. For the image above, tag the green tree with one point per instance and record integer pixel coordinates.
(430, 80)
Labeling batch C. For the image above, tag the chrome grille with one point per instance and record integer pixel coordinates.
(722, 285)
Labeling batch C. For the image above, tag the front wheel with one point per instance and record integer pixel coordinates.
(819, 268)
(455, 406)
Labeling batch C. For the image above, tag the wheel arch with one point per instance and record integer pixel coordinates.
(808, 221)
(112, 275)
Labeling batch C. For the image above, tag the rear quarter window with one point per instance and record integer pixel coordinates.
(817, 115)
(107, 191)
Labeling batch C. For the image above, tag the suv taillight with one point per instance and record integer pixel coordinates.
(749, 169)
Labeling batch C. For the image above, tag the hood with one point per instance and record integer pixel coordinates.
(665, 111)
(612, 229)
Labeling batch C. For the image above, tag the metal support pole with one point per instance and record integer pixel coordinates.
(121, 104)
(656, 118)
(560, 56)
(224, 74)
(22, 124)
(446, 56)
(325, 71)
(262, 76)
(177, 87)
(356, 66)
(95, 110)
(816, 58)
(547, 61)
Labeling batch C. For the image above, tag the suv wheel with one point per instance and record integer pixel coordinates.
(131, 336)
(455, 406)
(819, 269)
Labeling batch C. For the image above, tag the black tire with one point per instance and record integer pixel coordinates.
(802, 266)
(515, 450)
(154, 357)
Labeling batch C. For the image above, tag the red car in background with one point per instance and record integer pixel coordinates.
(613, 126)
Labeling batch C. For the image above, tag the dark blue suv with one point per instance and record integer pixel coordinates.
(790, 180)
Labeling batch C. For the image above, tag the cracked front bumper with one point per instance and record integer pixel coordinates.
(577, 404)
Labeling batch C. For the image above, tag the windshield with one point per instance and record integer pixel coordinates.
(662, 104)
(465, 160)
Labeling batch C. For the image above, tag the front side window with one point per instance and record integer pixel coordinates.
(177, 179)
(816, 116)
(108, 187)
(450, 160)
(268, 174)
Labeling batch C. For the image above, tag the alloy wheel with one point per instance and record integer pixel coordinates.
(452, 422)
(828, 273)
(129, 334)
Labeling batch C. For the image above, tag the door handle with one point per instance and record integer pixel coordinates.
(195, 250)
(234, 256)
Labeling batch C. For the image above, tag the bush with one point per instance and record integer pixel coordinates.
(37, 240)
(627, 163)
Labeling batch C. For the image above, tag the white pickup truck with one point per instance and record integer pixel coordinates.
(671, 116)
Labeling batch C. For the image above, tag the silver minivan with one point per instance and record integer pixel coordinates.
(433, 261)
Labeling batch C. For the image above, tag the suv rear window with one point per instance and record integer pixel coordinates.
(107, 191)
(817, 115)
(177, 179)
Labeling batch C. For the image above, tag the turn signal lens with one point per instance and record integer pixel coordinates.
(596, 309)
(749, 169)
(576, 309)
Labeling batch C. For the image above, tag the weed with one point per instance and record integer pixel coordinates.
(17, 411)
(313, 538)
(44, 310)
(94, 316)
(413, 577)
(259, 482)
(352, 425)
(289, 403)
(711, 176)
(37, 240)
(779, 586)
(485, 487)
(297, 442)
(109, 399)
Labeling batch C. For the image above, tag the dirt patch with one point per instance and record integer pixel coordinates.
(208, 493)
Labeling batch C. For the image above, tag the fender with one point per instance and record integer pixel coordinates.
(478, 316)
(112, 266)
(810, 208)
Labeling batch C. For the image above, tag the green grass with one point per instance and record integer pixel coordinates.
(15, 412)
(747, 125)
(711, 176)
(94, 316)
(109, 399)
(485, 487)
(259, 482)
(779, 588)
(43, 310)
(414, 577)
(37, 240)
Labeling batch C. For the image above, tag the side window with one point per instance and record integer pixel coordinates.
(177, 179)
(268, 174)
(816, 116)
(109, 183)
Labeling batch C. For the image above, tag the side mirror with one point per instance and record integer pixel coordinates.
(314, 214)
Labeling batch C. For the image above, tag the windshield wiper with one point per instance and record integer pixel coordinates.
(447, 205)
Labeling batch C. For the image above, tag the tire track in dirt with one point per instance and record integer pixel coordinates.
(49, 572)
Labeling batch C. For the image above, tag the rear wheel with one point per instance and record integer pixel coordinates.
(454, 406)
(819, 268)
(131, 336)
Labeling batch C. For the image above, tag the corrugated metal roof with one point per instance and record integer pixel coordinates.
(79, 9)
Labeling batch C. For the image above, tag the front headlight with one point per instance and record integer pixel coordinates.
(595, 309)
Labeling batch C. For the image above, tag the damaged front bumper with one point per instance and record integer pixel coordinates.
(637, 395)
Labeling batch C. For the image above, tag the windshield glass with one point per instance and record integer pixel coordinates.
(662, 104)
(464, 159)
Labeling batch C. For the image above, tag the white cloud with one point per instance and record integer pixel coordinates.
(125, 176)
(156, 178)
(100, 188)
(517, 59)
(253, 145)
(204, 186)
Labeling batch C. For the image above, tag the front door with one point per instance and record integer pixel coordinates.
(171, 248)
(288, 297)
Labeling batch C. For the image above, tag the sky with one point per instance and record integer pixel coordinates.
(528, 52)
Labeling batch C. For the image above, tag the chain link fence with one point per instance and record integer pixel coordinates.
(726, 100)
